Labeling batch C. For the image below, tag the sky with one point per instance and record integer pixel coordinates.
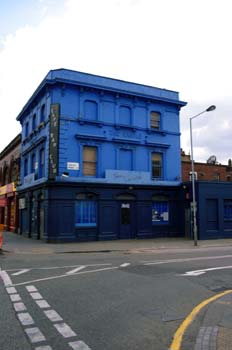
(180, 45)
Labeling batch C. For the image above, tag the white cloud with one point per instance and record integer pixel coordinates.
(180, 45)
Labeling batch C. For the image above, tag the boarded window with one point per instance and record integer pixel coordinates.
(124, 115)
(90, 110)
(125, 159)
(89, 161)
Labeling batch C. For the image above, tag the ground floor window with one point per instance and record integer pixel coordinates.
(85, 210)
(228, 210)
(160, 212)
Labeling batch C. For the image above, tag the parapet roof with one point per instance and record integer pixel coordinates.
(103, 83)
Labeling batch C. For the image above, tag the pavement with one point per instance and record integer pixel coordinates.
(215, 332)
(17, 244)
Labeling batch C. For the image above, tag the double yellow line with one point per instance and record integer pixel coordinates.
(177, 339)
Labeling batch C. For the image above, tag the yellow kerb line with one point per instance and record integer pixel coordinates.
(177, 340)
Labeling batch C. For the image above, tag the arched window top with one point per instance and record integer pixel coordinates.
(86, 196)
(155, 120)
(126, 197)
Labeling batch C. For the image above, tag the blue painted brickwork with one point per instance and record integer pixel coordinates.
(109, 114)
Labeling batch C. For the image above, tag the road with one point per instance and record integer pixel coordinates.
(110, 301)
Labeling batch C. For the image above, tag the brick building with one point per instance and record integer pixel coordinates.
(9, 178)
(209, 171)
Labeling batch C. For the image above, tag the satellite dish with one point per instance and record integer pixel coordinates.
(212, 160)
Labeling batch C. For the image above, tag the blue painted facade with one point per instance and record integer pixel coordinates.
(214, 209)
(96, 152)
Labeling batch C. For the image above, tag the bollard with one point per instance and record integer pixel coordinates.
(1, 236)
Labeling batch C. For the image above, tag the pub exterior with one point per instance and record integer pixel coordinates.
(100, 160)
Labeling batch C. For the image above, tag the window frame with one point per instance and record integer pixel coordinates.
(87, 162)
(86, 210)
(155, 124)
(155, 167)
(158, 206)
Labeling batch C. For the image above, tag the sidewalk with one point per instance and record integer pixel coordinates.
(14, 243)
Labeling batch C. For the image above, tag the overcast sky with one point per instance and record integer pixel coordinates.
(181, 45)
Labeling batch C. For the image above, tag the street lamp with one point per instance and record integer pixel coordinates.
(209, 109)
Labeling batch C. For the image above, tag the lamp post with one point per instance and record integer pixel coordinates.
(209, 109)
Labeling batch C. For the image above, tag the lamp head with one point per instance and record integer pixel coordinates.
(211, 108)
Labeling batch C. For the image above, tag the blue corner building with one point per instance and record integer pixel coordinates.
(100, 160)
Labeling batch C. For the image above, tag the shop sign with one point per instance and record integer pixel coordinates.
(72, 166)
(7, 188)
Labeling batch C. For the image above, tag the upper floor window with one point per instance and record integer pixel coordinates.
(33, 121)
(42, 114)
(41, 163)
(90, 110)
(155, 120)
(25, 167)
(26, 129)
(157, 165)
(216, 176)
(89, 161)
(33, 163)
(125, 115)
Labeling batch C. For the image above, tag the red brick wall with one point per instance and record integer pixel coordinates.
(206, 172)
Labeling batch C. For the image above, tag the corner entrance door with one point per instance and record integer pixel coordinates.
(127, 220)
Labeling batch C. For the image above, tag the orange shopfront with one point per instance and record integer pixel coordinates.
(9, 207)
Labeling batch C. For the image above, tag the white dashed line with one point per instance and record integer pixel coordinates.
(15, 297)
(19, 307)
(45, 347)
(53, 315)
(42, 304)
(25, 318)
(31, 288)
(79, 345)
(11, 290)
(75, 270)
(36, 296)
(35, 335)
(65, 330)
(6, 278)
(125, 264)
(20, 272)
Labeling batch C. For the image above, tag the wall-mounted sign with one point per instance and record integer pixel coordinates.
(125, 205)
(73, 166)
(7, 188)
(22, 203)
(54, 140)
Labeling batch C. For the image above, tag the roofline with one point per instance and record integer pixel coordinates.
(15, 142)
(50, 79)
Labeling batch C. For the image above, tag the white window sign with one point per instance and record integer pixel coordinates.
(72, 166)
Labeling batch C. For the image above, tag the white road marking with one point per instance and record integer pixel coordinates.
(53, 315)
(56, 267)
(158, 262)
(203, 271)
(20, 272)
(11, 290)
(25, 318)
(42, 304)
(125, 264)
(6, 278)
(19, 307)
(65, 330)
(61, 276)
(36, 296)
(31, 289)
(79, 345)
(35, 335)
(45, 347)
(15, 297)
(75, 270)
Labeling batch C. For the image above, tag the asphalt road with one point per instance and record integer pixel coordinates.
(107, 301)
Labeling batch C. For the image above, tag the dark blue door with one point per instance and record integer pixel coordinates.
(127, 225)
